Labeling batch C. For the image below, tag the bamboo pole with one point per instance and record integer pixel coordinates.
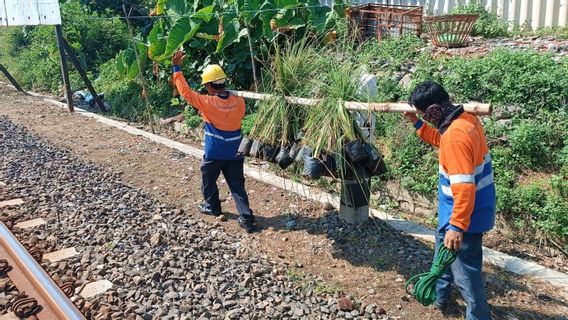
(480, 109)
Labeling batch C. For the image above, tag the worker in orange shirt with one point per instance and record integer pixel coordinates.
(466, 192)
(222, 113)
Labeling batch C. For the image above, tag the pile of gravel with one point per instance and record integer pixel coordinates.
(163, 263)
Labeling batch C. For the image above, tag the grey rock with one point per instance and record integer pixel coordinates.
(406, 80)
(156, 240)
(229, 304)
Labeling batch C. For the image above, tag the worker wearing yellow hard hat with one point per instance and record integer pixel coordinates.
(223, 114)
(213, 73)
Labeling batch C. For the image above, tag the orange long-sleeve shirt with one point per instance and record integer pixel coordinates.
(223, 114)
(466, 190)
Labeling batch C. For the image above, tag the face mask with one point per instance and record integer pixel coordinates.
(434, 115)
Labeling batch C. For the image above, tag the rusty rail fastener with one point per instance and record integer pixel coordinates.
(36, 254)
(5, 267)
(68, 288)
(24, 306)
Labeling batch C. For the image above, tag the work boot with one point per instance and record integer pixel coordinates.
(247, 224)
(205, 208)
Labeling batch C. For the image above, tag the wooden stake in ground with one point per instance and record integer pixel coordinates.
(11, 79)
(64, 70)
(254, 74)
(140, 74)
(83, 75)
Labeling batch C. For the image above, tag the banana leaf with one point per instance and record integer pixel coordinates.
(183, 31)
(157, 41)
(230, 35)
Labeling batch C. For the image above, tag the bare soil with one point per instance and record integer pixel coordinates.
(369, 264)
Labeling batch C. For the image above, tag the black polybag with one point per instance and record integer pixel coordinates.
(256, 149)
(304, 151)
(374, 163)
(355, 151)
(244, 147)
(269, 153)
(313, 168)
(330, 163)
(294, 150)
(283, 158)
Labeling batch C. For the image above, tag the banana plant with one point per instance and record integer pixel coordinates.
(223, 24)
(129, 62)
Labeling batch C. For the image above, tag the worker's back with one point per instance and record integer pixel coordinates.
(464, 155)
(223, 115)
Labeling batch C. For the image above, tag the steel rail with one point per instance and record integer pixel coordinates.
(29, 277)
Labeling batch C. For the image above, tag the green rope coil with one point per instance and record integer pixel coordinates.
(424, 284)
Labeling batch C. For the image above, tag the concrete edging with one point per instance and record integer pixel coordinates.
(507, 262)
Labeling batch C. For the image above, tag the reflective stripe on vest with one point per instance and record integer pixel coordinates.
(480, 177)
(216, 136)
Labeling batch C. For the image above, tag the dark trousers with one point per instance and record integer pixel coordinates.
(465, 272)
(234, 175)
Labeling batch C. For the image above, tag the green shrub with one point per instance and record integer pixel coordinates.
(124, 98)
(557, 32)
(412, 160)
(126, 101)
(488, 25)
(559, 183)
(539, 207)
(426, 69)
(33, 58)
(562, 159)
(32, 54)
(552, 219)
(96, 38)
(505, 173)
(160, 99)
(534, 145)
(192, 117)
(106, 6)
(389, 54)
(248, 123)
(389, 90)
(387, 125)
(525, 78)
(193, 121)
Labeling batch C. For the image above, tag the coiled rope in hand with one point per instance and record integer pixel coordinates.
(424, 284)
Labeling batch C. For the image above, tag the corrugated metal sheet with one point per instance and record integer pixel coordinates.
(533, 13)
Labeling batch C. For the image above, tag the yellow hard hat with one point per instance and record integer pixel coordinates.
(212, 73)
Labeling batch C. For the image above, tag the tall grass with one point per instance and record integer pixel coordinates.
(329, 125)
(289, 72)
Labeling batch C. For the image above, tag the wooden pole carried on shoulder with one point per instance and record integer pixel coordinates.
(480, 109)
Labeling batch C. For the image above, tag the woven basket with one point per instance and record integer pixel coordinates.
(385, 21)
(451, 31)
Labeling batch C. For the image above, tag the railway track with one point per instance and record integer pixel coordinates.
(39, 296)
